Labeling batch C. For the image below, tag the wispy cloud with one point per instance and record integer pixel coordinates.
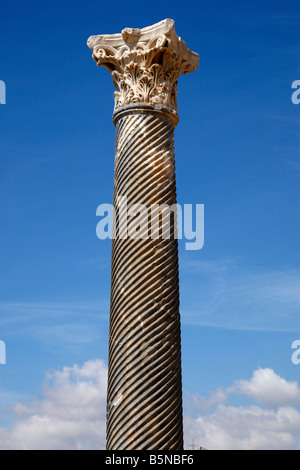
(228, 295)
(55, 325)
(25, 312)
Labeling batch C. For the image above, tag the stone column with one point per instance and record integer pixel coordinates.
(144, 397)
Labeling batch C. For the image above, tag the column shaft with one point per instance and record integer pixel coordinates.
(144, 383)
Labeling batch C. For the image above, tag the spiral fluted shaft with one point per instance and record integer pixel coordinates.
(144, 382)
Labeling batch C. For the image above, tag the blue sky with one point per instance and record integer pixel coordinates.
(237, 150)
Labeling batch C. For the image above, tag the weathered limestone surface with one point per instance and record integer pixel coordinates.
(144, 402)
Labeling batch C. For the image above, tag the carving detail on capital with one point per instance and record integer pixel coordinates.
(145, 63)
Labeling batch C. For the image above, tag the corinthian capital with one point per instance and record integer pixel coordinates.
(145, 63)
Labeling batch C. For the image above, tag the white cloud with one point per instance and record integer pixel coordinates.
(245, 428)
(71, 414)
(274, 425)
(269, 389)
